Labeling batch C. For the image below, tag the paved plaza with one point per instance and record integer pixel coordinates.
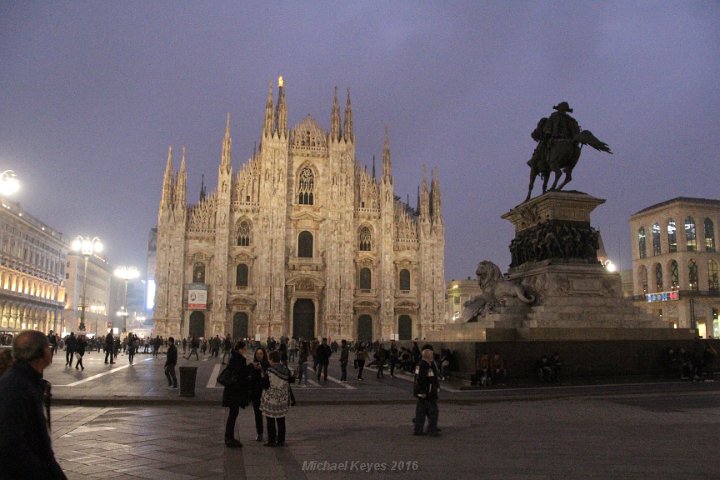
(121, 421)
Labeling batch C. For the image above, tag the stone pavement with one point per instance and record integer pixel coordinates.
(635, 436)
(121, 421)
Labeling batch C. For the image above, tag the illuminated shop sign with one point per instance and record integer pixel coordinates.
(662, 297)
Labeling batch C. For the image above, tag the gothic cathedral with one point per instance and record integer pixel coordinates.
(302, 241)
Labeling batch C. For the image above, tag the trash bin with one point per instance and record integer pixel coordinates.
(187, 381)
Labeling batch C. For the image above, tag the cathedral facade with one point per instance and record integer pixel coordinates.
(302, 241)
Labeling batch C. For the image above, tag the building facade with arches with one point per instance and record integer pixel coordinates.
(676, 264)
(302, 241)
(32, 272)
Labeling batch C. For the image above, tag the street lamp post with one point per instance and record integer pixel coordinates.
(86, 246)
(125, 273)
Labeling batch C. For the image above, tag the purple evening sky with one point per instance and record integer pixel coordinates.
(92, 94)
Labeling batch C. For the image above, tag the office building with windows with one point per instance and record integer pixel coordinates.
(676, 262)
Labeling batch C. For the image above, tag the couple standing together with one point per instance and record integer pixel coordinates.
(266, 384)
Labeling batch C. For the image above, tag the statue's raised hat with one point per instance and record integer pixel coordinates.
(563, 107)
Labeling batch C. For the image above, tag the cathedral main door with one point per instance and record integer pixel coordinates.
(304, 319)
(404, 327)
(197, 324)
(364, 328)
(240, 326)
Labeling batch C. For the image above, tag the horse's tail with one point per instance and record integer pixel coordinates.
(586, 137)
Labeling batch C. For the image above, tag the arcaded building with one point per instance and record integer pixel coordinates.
(301, 241)
(676, 262)
(32, 272)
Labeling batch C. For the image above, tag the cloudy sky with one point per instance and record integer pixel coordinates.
(93, 93)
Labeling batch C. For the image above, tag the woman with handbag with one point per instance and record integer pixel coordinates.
(275, 400)
(257, 376)
(235, 394)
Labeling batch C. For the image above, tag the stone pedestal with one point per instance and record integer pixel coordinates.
(554, 258)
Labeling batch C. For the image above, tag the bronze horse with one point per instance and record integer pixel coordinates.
(560, 156)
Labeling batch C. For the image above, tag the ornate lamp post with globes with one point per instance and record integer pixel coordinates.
(86, 246)
(125, 273)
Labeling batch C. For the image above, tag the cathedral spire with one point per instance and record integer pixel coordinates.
(424, 197)
(202, 187)
(435, 198)
(226, 158)
(268, 124)
(166, 199)
(281, 113)
(386, 160)
(335, 119)
(348, 130)
(373, 170)
(181, 186)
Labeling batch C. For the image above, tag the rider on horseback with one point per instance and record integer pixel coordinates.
(560, 142)
(560, 125)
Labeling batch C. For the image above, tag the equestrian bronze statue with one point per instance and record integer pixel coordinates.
(560, 142)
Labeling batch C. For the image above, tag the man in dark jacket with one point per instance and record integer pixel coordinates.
(70, 346)
(170, 363)
(426, 392)
(236, 396)
(109, 347)
(323, 358)
(25, 448)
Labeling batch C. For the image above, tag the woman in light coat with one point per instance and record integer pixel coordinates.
(275, 399)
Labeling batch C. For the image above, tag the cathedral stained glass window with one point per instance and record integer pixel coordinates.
(306, 186)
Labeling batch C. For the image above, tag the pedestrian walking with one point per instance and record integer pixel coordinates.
(170, 363)
(25, 445)
(360, 357)
(275, 401)
(227, 347)
(132, 346)
(393, 358)
(70, 346)
(235, 396)
(303, 363)
(194, 345)
(109, 347)
(323, 353)
(425, 390)
(344, 355)
(80, 351)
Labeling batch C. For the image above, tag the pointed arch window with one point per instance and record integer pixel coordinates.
(305, 245)
(674, 275)
(643, 277)
(641, 242)
(199, 272)
(243, 239)
(709, 236)
(713, 279)
(657, 250)
(690, 234)
(693, 275)
(365, 239)
(658, 278)
(242, 275)
(404, 279)
(306, 186)
(672, 236)
(365, 279)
